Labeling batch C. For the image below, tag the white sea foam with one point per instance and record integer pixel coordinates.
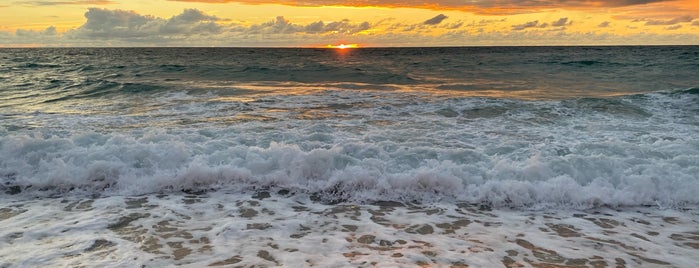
(414, 124)
(634, 150)
(270, 229)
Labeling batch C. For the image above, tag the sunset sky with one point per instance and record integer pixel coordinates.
(312, 23)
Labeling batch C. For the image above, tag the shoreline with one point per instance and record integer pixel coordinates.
(230, 229)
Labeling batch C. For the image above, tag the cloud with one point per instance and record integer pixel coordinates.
(193, 27)
(670, 22)
(484, 22)
(673, 27)
(104, 23)
(435, 20)
(196, 26)
(429, 25)
(561, 22)
(123, 24)
(49, 31)
(26, 37)
(281, 25)
(476, 6)
(526, 25)
(455, 25)
(58, 3)
(344, 26)
(191, 21)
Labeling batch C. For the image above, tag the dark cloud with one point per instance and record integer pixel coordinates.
(523, 26)
(695, 23)
(561, 22)
(673, 27)
(670, 22)
(435, 20)
(604, 24)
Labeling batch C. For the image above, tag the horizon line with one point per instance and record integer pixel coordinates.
(360, 47)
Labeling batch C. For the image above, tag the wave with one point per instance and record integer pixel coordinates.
(33, 65)
(302, 73)
(404, 125)
(101, 89)
(572, 169)
(588, 63)
(613, 106)
(693, 91)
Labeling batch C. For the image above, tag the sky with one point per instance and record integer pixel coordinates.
(367, 23)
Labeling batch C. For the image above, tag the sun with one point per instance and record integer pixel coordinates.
(343, 46)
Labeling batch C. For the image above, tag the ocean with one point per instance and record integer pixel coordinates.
(366, 157)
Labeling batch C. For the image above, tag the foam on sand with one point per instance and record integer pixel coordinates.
(273, 229)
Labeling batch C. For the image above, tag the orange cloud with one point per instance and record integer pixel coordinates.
(658, 11)
(57, 3)
(476, 6)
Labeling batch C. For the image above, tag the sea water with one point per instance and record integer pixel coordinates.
(478, 157)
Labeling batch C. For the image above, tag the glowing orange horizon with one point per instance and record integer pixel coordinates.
(343, 46)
